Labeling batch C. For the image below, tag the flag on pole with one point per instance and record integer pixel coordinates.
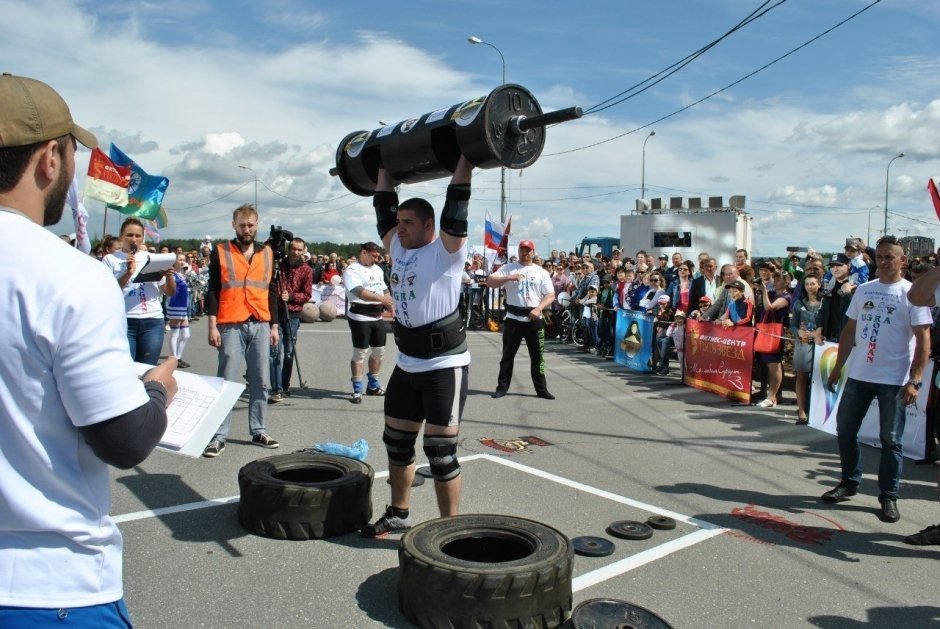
(496, 240)
(79, 217)
(152, 232)
(934, 196)
(106, 181)
(145, 192)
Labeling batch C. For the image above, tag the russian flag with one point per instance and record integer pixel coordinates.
(934, 196)
(494, 233)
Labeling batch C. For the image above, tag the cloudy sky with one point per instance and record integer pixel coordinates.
(193, 89)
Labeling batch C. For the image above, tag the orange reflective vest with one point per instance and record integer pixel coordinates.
(244, 284)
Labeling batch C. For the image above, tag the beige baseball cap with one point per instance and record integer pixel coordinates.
(32, 112)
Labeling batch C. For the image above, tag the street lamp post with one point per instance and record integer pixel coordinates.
(502, 170)
(887, 170)
(256, 183)
(643, 166)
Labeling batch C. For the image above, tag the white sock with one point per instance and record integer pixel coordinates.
(174, 341)
(183, 340)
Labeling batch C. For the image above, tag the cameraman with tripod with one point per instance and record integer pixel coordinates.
(294, 281)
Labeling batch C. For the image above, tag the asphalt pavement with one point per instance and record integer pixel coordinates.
(754, 547)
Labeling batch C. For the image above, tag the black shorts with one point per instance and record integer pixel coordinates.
(437, 396)
(366, 334)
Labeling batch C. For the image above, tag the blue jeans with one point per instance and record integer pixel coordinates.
(145, 338)
(251, 341)
(105, 616)
(664, 343)
(282, 354)
(856, 398)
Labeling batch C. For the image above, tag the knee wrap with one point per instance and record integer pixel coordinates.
(442, 455)
(400, 446)
(378, 352)
(359, 354)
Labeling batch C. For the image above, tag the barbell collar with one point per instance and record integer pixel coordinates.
(519, 124)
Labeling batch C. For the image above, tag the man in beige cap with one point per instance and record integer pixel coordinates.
(70, 399)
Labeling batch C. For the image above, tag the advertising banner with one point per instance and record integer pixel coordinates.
(719, 359)
(634, 340)
(824, 404)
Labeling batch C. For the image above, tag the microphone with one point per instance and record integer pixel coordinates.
(133, 249)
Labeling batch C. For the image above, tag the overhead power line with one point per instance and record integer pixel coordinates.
(719, 91)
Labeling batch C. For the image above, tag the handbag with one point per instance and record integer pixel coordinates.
(769, 337)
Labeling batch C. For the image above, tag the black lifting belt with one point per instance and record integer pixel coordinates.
(519, 311)
(366, 310)
(443, 337)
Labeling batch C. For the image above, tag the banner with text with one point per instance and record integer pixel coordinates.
(634, 336)
(824, 405)
(719, 359)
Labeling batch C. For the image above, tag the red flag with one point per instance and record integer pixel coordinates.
(502, 251)
(107, 181)
(934, 196)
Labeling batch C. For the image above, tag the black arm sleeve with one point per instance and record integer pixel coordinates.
(386, 205)
(456, 208)
(215, 283)
(128, 439)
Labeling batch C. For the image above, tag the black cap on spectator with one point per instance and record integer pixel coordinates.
(839, 258)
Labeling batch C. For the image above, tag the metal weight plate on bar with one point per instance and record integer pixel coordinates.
(628, 529)
(607, 612)
(661, 522)
(588, 546)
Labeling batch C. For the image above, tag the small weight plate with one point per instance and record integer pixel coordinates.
(628, 529)
(592, 546)
(661, 522)
(417, 482)
(608, 612)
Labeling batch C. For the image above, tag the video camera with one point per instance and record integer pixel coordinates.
(279, 240)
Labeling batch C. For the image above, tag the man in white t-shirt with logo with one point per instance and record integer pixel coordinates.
(365, 282)
(889, 342)
(529, 291)
(70, 400)
(429, 383)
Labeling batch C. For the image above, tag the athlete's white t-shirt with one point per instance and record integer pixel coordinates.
(141, 300)
(63, 363)
(884, 339)
(426, 284)
(528, 291)
(371, 278)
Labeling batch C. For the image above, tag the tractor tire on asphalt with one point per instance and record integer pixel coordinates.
(305, 495)
(482, 570)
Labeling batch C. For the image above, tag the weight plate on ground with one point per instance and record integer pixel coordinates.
(661, 522)
(628, 529)
(417, 482)
(592, 546)
(425, 471)
(608, 612)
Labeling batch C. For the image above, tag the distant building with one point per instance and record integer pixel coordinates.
(918, 246)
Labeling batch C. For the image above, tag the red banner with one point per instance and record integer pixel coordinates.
(719, 359)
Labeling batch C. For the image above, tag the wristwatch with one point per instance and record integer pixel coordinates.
(915, 383)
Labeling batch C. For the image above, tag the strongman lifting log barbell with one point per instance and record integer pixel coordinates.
(505, 128)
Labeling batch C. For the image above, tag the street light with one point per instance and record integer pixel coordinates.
(887, 170)
(643, 172)
(502, 170)
(256, 183)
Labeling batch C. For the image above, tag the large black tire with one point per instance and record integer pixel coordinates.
(305, 495)
(494, 571)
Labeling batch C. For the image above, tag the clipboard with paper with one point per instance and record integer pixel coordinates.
(197, 411)
(152, 266)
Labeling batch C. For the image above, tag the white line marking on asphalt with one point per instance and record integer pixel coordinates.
(706, 530)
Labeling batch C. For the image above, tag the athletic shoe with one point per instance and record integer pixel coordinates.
(889, 511)
(182, 364)
(214, 449)
(264, 440)
(275, 397)
(375, 391)
(356, 398)
(839, 493)
(498, 393)
(930, 536)
(545, 395)
(388, 523)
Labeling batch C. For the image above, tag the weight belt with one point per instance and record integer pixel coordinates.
(519, 311)
(443, 337)
(366, 310)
